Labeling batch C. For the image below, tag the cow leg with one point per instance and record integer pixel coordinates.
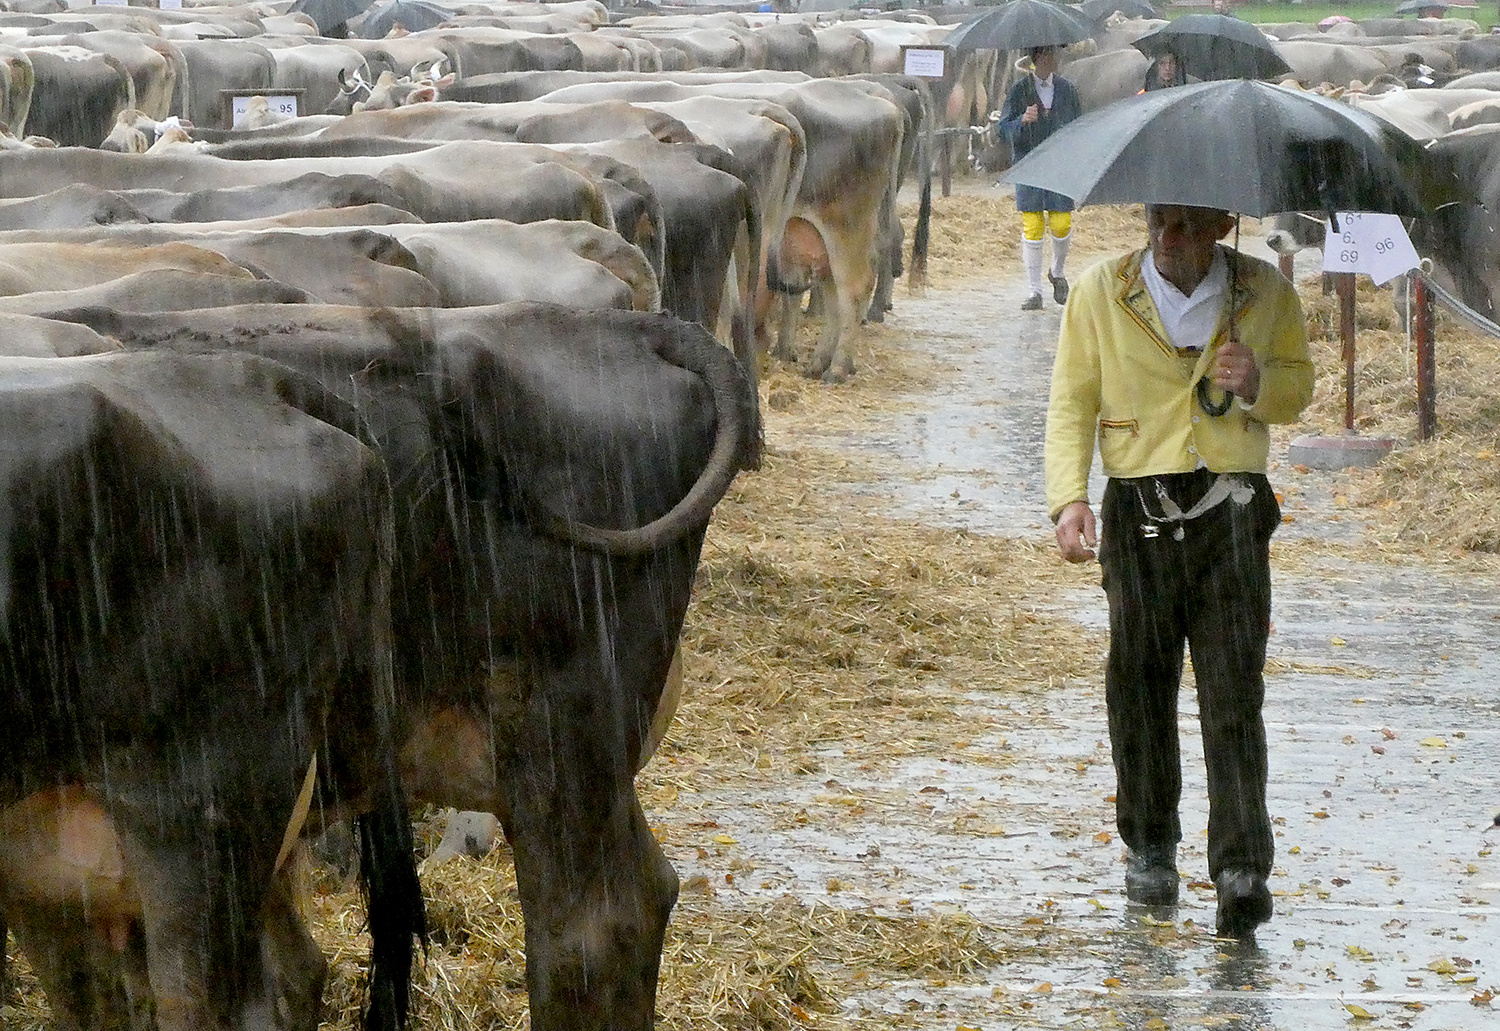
(596, 890)
(91, 983)
(831, 339)
(201, 847)
(788, 311)
(295, 965)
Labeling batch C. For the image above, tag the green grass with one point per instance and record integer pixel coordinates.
(1485, 14)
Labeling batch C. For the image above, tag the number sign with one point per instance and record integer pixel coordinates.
(281, 104)
(1372, 243)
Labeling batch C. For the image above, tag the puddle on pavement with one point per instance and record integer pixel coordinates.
(1384, 742)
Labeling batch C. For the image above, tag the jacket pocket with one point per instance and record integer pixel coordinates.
(1132, 426)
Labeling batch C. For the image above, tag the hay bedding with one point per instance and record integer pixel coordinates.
(818, 619)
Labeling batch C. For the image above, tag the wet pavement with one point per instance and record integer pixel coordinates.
(1383, 714)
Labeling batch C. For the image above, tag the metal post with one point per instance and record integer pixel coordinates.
(1344, 287)
(1422, 332)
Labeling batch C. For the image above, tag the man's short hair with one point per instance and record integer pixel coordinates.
(1034, 51)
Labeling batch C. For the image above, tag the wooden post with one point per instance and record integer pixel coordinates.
(1284, 263)
(1421, 298)
(1344, 287)
(945, 164)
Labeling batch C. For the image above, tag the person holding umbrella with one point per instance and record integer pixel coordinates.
(1164, 72)
(1185, 527)
(1037, 106)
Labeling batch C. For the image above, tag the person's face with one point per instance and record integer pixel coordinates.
(1182, 241)
(1044, 61)
(1166, 67)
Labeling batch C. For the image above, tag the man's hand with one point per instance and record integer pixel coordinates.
(1076, 538)
(1235, 370)
(1030, 115)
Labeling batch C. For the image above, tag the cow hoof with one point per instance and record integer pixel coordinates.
(837, 376)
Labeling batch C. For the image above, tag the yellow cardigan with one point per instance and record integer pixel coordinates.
(1118, 378)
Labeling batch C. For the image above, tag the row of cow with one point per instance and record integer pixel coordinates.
(364, 460)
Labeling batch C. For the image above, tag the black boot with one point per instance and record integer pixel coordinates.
(1151, 875)
(1059, 288)
(1244, 902)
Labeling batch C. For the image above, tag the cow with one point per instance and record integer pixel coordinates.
(447, 183)
(854, 134)
(337, 266)
(554, 472)
(196, 580)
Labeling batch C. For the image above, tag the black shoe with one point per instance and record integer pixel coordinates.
(1151, 875)
(1059, 288)
(1032, 303)
(1244, 902)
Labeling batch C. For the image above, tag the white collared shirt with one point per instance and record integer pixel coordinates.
(1190, 321)
(1045, 89)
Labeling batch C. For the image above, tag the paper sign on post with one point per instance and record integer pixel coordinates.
(1372, 243)
(925, 62)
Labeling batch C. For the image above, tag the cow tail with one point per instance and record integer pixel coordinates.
(742, 329)
(394, 907)
(916, 275)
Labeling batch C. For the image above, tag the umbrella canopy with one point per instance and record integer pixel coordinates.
(1020, 25)
(1095, 10)
(1418, 6)
(1249, 147)
(328, 13)
(412, 15)
(1215, 46)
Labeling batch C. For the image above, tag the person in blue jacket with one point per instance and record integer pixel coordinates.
(1036, 107)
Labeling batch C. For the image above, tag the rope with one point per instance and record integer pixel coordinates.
(1459, 308)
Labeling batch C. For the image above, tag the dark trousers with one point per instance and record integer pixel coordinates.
(1211, 590)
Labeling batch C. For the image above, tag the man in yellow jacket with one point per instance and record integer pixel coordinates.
(1144, 359)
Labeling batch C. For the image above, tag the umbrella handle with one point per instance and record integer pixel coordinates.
(1207, 403)
(1204, 401)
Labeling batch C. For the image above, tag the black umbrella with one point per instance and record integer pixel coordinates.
(1215, 46)
(1020, 25)
(1096, 10)
(1249, 147)
(412, 15)
(328, 13)
(1417, 6)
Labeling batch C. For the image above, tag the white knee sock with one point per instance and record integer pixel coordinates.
(1059, 254)
(1031, 258)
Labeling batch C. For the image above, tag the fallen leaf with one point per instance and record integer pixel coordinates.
(1103, 837)
(1442, 966)
(1358, 1012)
(1044, 987)
(1433, 742)
(724, 839)
(1465, 979)
(1337, 642)
(1111, 982)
